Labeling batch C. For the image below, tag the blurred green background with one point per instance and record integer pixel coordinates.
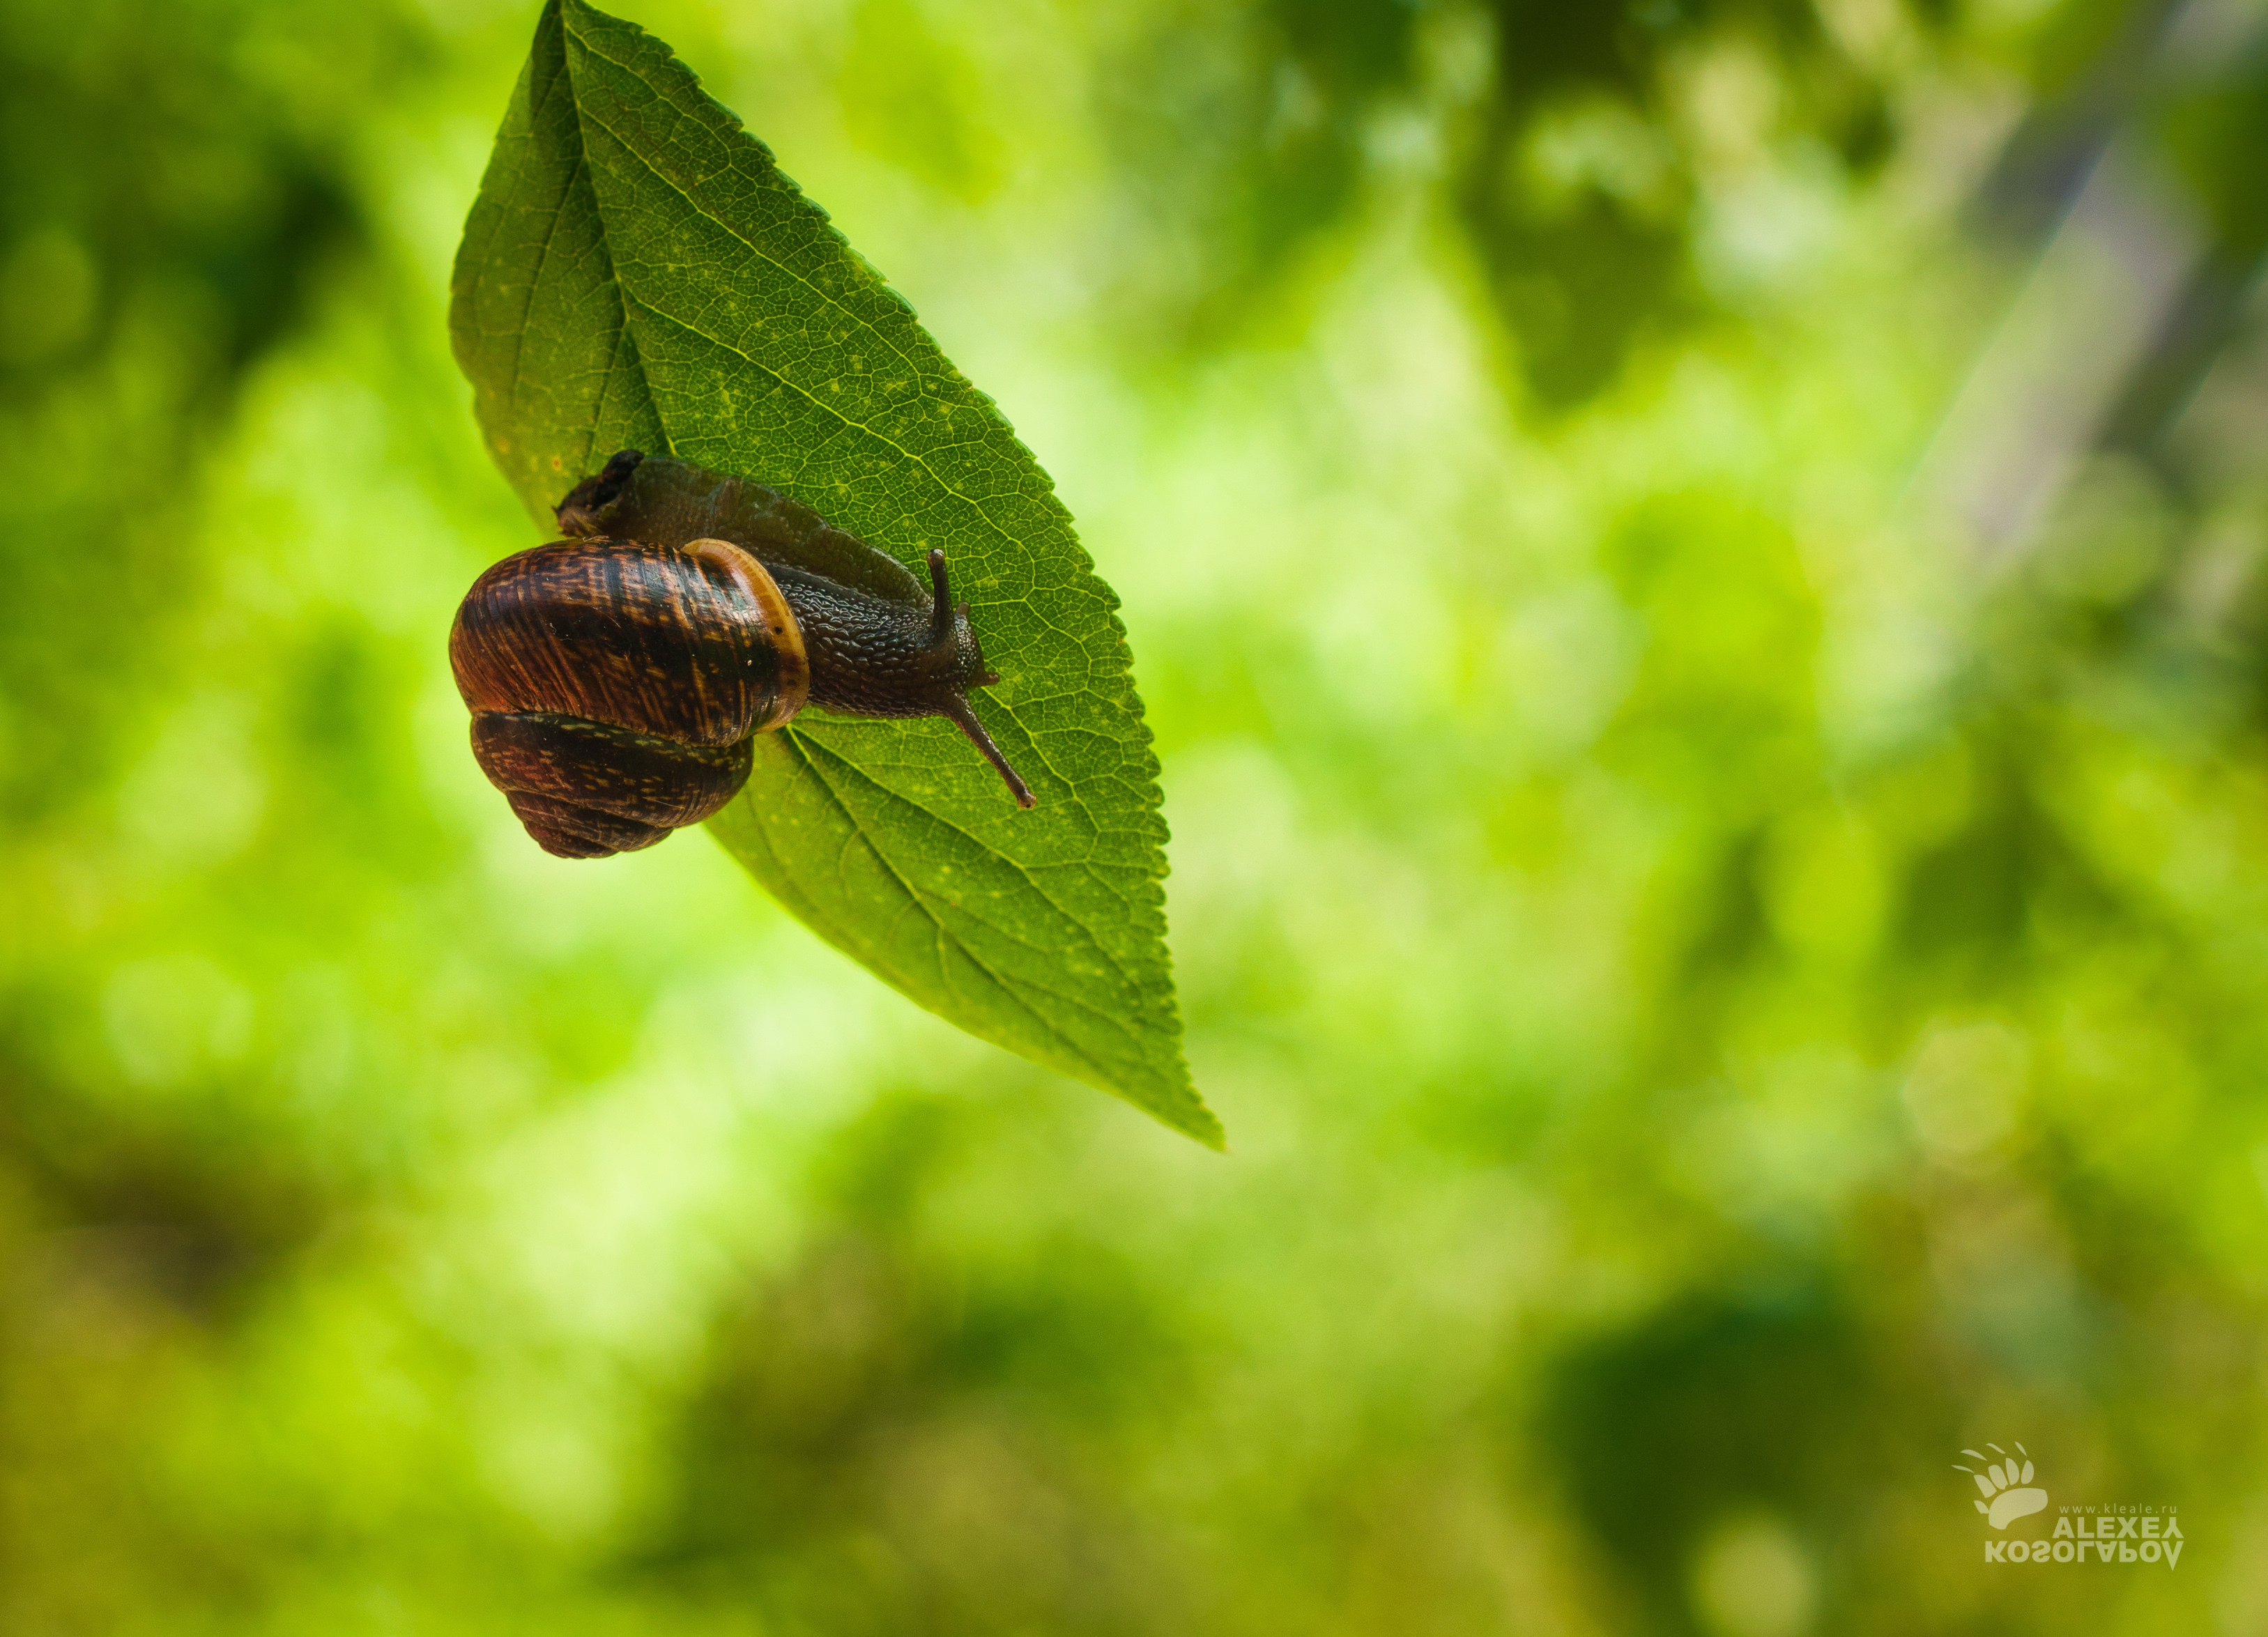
(1698, 570)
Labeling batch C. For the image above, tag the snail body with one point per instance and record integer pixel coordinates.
(617, 678)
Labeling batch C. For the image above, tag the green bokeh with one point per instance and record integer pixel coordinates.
(1728, 987)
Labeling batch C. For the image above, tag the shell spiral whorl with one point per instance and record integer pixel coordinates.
(614, 686)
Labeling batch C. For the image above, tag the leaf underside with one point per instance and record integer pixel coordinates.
(636, 272)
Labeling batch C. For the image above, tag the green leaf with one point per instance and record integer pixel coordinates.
(636, 272)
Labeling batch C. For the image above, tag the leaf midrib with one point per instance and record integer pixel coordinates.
(917, 899)
(623, 294)
(625, 299)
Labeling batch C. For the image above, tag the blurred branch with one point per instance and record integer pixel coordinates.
(2137, 289)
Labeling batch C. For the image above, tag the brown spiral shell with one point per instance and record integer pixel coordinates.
(614, 686)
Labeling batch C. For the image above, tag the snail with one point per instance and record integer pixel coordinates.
(617, 677)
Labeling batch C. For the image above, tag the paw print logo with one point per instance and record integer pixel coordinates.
(2006, 1484)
